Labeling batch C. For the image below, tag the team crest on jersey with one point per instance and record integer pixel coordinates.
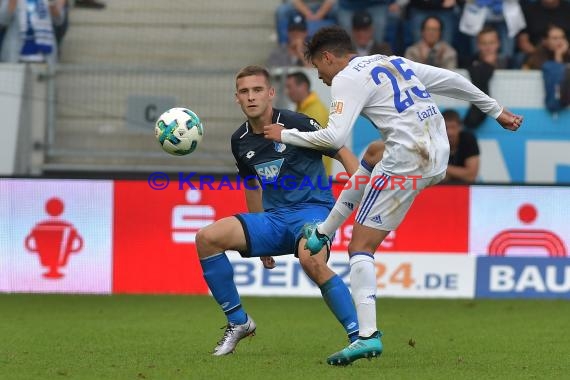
(268, 172)
(337, 106)
(279, 147)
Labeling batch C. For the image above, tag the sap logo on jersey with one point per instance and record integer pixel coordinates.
(269, 171)
(523, 277)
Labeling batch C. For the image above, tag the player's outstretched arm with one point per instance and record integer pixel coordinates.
(509, 120)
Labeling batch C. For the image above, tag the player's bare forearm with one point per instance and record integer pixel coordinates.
(347, 159)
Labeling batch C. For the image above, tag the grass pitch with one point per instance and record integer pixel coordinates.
(170, 337)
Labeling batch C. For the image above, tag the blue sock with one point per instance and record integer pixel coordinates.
(219, 275)
(339, 300)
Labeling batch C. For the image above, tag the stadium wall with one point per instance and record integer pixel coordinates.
(118, 236)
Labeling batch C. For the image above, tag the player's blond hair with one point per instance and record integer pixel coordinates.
(254, 70)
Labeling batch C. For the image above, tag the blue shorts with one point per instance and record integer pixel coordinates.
(278, 231)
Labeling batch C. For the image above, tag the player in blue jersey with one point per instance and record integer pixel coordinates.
(279, 207)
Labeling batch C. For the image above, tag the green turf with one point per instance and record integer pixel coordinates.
(170, 337)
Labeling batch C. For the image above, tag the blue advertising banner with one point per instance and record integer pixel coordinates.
(518, 277)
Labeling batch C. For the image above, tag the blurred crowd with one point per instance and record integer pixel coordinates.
(477, 35)
(32, 31)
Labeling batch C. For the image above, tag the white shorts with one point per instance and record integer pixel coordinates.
(387, 199)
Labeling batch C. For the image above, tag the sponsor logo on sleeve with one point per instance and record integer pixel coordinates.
(337, 107)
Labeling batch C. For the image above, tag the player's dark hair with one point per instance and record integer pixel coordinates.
(254, 70)
(451, 115)
(333, 39)
(300, 78)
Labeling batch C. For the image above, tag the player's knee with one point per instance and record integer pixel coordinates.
(374, 152)
(204, 240)
(361, 246)
(314, 266)
(310, 265)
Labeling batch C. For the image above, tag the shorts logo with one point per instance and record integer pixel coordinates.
(337, 106)
(315, 124)
(250, 154)
(268, 172)
(279, 147)
(376, 219)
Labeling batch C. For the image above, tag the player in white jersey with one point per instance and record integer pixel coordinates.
(394, 93)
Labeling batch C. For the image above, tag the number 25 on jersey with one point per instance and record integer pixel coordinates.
(401, 101)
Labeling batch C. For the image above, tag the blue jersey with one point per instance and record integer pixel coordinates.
(289, 175)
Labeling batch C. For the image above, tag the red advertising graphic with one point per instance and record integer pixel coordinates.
(515, 238)
(437, 222)
(54, 240)
(154, 234)
(155, 230)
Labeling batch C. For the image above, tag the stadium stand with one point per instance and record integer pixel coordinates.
(137, 52)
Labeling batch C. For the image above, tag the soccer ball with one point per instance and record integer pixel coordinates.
(179, 131)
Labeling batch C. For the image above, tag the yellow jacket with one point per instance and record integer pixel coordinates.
(313, 107)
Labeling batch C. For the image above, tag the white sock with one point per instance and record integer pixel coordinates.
(347, 202)
(363, 285)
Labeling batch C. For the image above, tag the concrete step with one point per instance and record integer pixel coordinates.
(172, 33)
(167, 46)
(166, 163)
(110, 148)
(85, 93)
(190, 14)
(189, 7)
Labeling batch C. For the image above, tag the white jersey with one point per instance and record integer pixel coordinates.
(391, 93)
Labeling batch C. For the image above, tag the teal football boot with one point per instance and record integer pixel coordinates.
(315, 240)
(359, 349)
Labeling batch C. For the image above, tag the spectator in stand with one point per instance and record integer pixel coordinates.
(22, 42)
(419, 10)
(481, 69)
(554, 47)
(378, 10)
(60, 28)
(363, 36)
(298, 89)
(93, 4)
(317, 13)
(431, 50)
(553, 58)
(489, 50)
(506, 16)
(293, 53)
(539, 15)
(463, 166)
